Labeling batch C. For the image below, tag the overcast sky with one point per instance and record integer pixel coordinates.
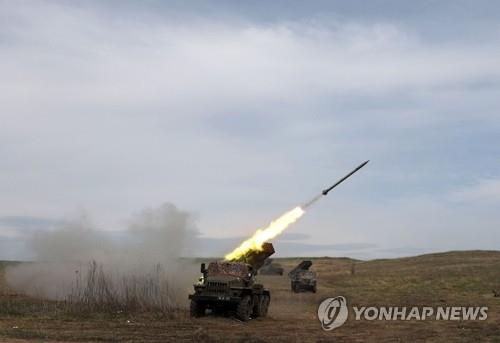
(239, 111)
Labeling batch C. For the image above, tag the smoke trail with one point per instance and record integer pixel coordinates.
(312, 201)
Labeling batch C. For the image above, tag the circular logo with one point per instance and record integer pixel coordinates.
(332, 313)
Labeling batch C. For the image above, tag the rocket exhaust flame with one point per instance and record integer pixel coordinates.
(263, 235)
(272, 230)
(279, 225)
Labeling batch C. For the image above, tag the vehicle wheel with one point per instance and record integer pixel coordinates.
(264, 305)
(244, 308)
(196, 309)
(257, 306)
(295, 288)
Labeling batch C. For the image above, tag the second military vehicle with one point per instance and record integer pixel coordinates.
(303, 279)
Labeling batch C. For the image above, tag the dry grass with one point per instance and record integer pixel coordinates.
(97, 290)
(455, 279)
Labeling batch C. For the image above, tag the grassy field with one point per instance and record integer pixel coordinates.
(447, 279)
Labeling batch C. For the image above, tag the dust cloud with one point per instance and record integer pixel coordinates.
(156, 239)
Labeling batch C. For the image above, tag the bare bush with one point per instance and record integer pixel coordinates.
(99, 290)
(124, 275)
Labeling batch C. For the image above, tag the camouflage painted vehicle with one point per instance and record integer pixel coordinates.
(271, 268)
(303, 279)
(228, 287)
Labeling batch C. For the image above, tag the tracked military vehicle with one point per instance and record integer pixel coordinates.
(271, 268)
(229, 287)
(303, 279)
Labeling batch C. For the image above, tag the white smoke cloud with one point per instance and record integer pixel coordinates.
(158, 236)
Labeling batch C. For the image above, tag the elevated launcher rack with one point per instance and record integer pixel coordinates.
(304, 265)
(256, 258)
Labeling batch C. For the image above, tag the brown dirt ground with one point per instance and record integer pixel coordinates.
(448, 279)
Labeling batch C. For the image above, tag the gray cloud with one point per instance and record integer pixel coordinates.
(242, 111)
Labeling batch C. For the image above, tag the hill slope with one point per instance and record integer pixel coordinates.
(457, 278)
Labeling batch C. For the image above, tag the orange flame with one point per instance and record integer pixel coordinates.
(263, 235)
